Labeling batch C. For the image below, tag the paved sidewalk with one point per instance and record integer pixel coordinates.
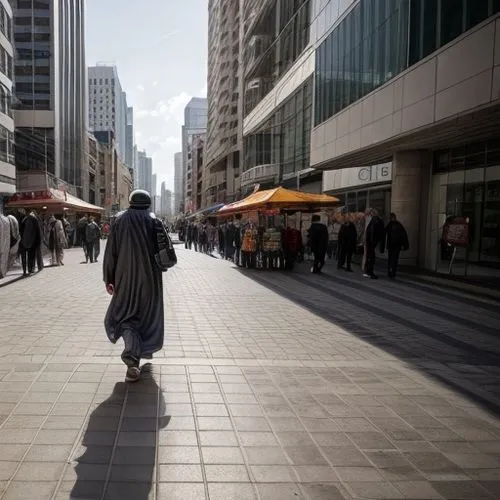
(271, 386)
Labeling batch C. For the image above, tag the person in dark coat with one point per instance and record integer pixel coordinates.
(92, 240)
(318, 243)
(31, 242)
(348, 237)
(374, 236)
(396, 240)
(134, 280)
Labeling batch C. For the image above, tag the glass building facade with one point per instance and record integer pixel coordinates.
(7, 180)
(272, 45)
(285, 138)
(379, 39)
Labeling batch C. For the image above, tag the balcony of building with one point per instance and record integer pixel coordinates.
(260, 174)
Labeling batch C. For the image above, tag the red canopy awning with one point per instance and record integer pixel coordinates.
(51, 200)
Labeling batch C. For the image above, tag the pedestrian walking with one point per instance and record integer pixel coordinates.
(333, 239)
(15, 238)
(81, 240)
(31, 243)
(318, 243)
(57, 241)
(348, 237)
(396, 240)
(374, 237)
(5, 235)
(134, 280)
(92, 239)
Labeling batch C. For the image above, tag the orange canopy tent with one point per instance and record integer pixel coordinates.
(280, 198)
(51, 200)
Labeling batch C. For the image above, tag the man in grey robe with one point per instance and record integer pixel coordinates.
(135, 283)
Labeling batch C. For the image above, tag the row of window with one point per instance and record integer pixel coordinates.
(105, 81)
(36, 4)
(379, 39)
(5, 23)
(5, 101)
(5, 63)
(6, 145)
(32, 37)
(434, 24)
(368, 48)
(285, 137)
(278, 54)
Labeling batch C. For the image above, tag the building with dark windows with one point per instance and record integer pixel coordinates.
(50, 93)
(195, 123)
(178, 185)
(7, 164)
(107, 106)
(407, 119)
(223, 142)
(278, 67)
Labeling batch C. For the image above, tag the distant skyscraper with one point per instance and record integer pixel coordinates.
(195, 123)
(108, 105)
(153, 184)
(129, 139)
(178, 186)
(51, 87)
(144, 172)
(166, 201)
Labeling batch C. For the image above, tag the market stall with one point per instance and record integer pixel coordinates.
(267, 231)
(51, 201)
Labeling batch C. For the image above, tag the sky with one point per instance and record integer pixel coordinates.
(160, 50)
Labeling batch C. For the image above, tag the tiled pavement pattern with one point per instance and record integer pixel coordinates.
(271, 386)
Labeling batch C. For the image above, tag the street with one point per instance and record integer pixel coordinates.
(270, 386)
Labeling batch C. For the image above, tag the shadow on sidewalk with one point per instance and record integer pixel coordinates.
(120, 441)
(460, 365)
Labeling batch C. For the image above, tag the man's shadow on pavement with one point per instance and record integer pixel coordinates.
(120, 441)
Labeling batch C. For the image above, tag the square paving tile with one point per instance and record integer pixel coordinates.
(30, 490)
(229, 473)
(222, 455)
(48, 453)
(225, 491)
(218, 438)
(180, 472)
(178, 455)
(181, 491)
(280, 492)
(272, 474)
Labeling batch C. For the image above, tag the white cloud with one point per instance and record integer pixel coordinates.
(203, 91)
(165, 36)
(155, 83)
(172, 108)
(140, 87)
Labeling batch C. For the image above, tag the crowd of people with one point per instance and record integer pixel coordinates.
(345, 235)
(25, 237)
(348, 234)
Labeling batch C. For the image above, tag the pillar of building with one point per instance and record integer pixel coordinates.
(410, 173)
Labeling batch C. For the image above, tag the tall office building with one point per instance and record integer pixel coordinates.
(223, 141)
(178, 185)
(144, 172)
(278, 64)
(129, 139)
(409, 91)
(7, 164)
(153, 185)
(51, 89)
(107, 105)
(166, 201)
(195, 123)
